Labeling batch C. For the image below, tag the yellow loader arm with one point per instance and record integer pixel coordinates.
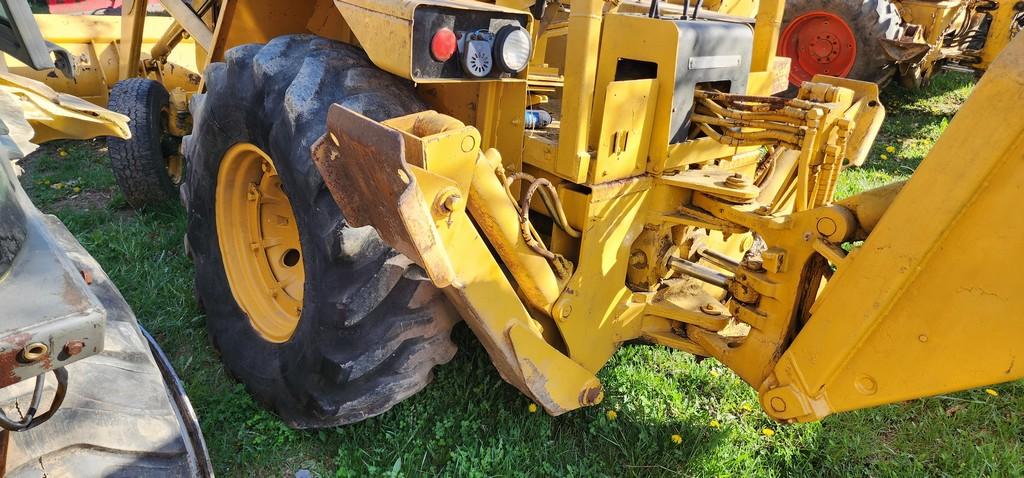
(56, 115)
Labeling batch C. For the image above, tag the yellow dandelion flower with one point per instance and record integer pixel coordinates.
(768, 432)
(611, 415)
(992, 392)
(885, 156)
(677, 439)
(714, 424)
(891, 149)
(716, 373)
(532, 408)
(56, 186)
(746, 407)
(77, 189)
(62, 153)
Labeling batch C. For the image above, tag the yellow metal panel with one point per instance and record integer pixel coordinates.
(257, 21)
(935, 17)
(595, 312)
(625, 130)
(649, 40)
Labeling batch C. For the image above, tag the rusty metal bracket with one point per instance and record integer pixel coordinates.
(417, 179)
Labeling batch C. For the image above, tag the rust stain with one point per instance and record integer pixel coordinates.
(9, 364)
(591, 396)
(74, 347)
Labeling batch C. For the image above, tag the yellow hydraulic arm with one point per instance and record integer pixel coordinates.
(932, 301)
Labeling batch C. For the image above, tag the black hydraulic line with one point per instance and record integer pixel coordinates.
(30, 420)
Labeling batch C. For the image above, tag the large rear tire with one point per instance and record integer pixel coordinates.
(839, 38)
(364, 327)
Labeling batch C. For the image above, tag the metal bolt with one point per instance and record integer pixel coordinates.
(74, 347)
(450, 202)
(753, 265)
(778, 404)
(710, 309)
(446, 200)
(866, 385)
(737, 181)
(827, 226)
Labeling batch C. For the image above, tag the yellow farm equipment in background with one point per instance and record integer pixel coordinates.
(909, 40)
(565, 177)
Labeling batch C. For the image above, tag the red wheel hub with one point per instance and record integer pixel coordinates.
(819, 43)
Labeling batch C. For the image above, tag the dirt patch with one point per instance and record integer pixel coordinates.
(44, 150)
(84, 200)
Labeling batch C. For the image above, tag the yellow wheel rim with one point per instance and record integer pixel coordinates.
(175, 168)
(174, 163)
(259, 242)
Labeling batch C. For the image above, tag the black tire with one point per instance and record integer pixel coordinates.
(871, 22)
(140, 164)
(372, 326)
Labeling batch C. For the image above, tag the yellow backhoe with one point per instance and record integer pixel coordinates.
(565, 176)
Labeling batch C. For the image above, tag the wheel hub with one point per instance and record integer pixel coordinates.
(170, 146)
(818, 43)
(259, 242)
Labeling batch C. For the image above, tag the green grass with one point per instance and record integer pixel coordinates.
(470, 423)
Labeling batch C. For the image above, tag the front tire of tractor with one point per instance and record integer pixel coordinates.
(323, 323)
(839, 38)
(148, 167)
